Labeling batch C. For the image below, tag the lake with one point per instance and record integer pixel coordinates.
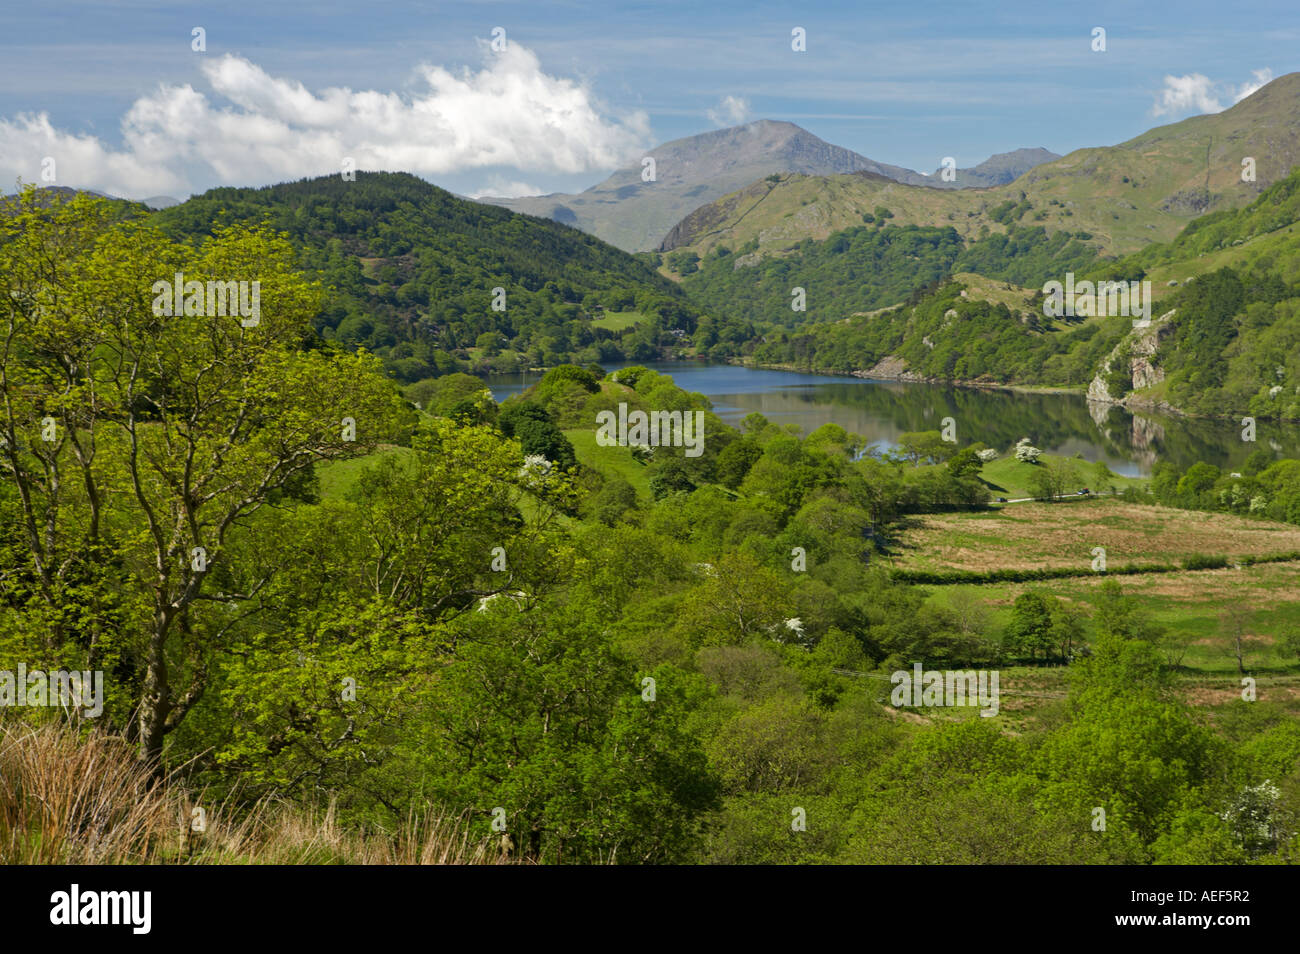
(880, 411)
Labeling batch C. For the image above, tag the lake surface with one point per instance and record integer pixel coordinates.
(880, 411)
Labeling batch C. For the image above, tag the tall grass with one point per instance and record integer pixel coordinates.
(82, 798)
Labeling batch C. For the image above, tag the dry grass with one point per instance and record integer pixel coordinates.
(1033, 535)
(73, 798)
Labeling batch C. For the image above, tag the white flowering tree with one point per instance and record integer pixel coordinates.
(1027, 452)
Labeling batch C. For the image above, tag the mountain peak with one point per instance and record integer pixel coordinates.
(998, 169)
(635, 213)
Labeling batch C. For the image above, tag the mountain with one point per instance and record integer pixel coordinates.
(64, 193)
(996, 170)
(1124, 197)
(414, 271)
(1224, 339)
(636, 215)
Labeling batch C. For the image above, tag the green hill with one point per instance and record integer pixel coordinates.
(1225, 340)
(414, 268)
(1125, 196)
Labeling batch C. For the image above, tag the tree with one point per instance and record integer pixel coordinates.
(1121, 617)
(1234, 622)
(515, 411)
(1026, 452)
(1053, 479)
(440, 395)
(1030, 628)
(670, 477)
(736, 459)
(147, 441)
(539, 717)
(1067, 628)
(1102, 478)
(966, 463)
(1198, 479)
(1131, 752)
(328, 692)
(545, 439)
(925, 446)
(612, 501)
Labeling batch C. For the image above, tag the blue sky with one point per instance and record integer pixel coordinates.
(585, 86)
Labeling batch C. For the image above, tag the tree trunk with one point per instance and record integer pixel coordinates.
(154, 699)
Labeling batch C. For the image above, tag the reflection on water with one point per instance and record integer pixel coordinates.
(882, 410)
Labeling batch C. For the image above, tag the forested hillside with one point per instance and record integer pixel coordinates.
(412, 271)
(1226, 294)
(866, 268)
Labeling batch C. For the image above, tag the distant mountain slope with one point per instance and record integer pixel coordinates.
(67, 192)
(690, 172)
(63, 193)
(1125, 196)
(996, 170)
(415, 268)
(1224, 340)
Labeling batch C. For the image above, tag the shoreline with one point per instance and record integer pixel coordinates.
(1137, 406)
(910, 378)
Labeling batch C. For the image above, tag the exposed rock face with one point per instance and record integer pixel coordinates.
(890, 368)
(1098, 393)
(1143, 350)
(1139, 349)
(1188, 202)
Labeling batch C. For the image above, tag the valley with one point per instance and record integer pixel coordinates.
(597, 526)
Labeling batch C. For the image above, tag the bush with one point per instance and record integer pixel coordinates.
(1204, 561)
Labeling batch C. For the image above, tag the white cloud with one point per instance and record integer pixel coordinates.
(1262, 78)
(1195, 93)
(732, 111)
(253, 129)
(1190, 93)
(499, 188)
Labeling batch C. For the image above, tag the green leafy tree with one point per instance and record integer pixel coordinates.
(736, 459)
(925, 447)
(670, 477)
(1030, 628)
(544, 439)
(169, 432)
(539, 716)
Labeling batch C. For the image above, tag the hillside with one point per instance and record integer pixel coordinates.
(1224, 340)
(996, 170)
(868, 266)
(1125, 196)
(635, 215)
(414, 269)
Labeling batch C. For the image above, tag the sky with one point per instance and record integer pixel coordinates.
(510, 98)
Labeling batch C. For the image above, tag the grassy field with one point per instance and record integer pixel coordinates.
(1191, 609)
(1189, 602)
(338, 476)
(1063, 534)
(609, 460)
(1011, 478)
(1199, 611)
(618, 320)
